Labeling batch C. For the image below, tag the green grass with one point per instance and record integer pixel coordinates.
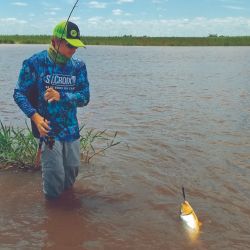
(95, 142)
(136, 41)
(18, 147)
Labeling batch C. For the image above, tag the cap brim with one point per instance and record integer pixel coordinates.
(75, 42)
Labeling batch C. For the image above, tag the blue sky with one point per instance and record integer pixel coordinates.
(129, 17)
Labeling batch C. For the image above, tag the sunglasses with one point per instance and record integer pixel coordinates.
(69, 45)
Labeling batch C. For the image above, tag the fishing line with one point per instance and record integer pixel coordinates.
(183, 193)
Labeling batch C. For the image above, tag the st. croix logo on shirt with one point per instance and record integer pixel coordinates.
(60, 82)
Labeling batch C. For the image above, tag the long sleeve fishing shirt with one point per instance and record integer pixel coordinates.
(39, 73)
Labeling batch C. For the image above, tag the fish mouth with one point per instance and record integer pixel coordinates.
(185, 214)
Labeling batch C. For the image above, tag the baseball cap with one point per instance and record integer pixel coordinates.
(70, 33)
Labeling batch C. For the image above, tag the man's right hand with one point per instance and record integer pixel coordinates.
(41, 124)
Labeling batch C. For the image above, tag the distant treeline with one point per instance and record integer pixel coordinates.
(136, 41)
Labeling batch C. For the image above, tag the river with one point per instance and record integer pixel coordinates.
(183, 118)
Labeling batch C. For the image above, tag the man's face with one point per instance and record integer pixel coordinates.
(66, 49)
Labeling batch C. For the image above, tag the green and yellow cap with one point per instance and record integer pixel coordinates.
(70, 33)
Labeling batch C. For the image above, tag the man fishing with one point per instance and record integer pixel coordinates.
(50, 87)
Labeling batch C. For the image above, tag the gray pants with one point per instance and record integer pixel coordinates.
(59, 167)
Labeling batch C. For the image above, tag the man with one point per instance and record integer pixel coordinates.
(50, 87)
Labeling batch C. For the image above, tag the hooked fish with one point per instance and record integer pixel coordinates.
(188, 215)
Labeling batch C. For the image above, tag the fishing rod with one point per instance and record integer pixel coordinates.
(50, 139)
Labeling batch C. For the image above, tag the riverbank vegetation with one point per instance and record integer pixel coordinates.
(18, 147)
(211, 40)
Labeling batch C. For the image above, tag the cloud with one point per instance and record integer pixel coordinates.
(19, 4)
(159, 1)
(94, 20)
(55, 9)
(234, 7)
(12, 25)
(125, 1)
(120, 25)
(117, 12)
(97, 5)
(229, 1)
(11, 20)
(50, 13)
(75, 18)
(199, 26)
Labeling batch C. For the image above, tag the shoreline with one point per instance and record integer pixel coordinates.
(135, 41)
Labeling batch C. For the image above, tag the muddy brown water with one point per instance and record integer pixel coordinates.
(183, 117)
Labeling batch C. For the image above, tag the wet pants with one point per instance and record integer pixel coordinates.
(59, 167)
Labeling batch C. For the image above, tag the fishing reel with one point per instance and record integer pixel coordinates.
(49, 141)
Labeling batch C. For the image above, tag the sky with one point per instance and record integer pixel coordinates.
(128, 17)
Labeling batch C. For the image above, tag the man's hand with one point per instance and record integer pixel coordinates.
(51, 95)
(41, 124)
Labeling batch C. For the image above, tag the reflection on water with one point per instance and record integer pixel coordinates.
(182, 114)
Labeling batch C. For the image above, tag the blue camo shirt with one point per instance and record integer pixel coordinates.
(69, 80)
